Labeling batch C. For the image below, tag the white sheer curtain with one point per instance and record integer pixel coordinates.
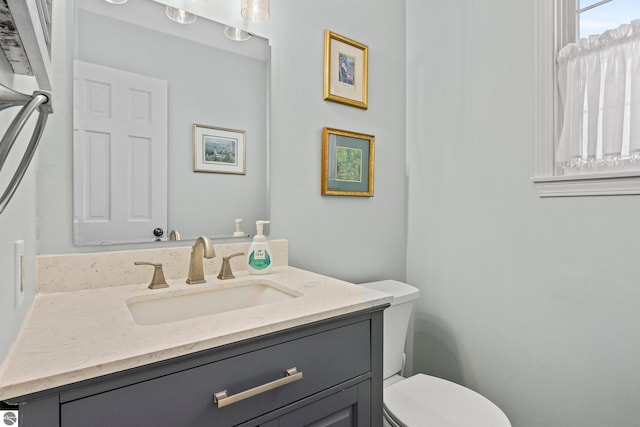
(599, 81)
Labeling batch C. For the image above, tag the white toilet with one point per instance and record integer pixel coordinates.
(423, 400)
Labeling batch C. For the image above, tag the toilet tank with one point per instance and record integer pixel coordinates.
(396, 322)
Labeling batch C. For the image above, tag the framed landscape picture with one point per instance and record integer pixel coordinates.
(218, 150)
(345, 70)
(347, 163)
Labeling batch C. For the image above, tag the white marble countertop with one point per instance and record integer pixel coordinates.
(77, 335)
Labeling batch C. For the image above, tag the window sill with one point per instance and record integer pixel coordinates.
(588, 185)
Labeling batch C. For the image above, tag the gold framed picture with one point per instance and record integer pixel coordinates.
(345, 70)
(348, 160)
(218, 150)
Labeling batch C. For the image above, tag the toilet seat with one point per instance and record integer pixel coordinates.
(423, 400)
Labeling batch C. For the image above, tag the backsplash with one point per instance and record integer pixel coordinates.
(72, 272)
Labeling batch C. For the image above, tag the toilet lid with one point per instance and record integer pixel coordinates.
(423, 400)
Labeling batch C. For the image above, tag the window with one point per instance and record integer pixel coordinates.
(598, 16)
(558, 23)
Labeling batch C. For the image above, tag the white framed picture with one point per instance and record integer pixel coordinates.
(218, 150)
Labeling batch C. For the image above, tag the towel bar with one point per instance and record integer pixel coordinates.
(41, 101)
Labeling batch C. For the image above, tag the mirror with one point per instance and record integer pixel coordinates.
(210, 81)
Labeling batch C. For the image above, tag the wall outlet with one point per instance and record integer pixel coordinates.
(18, 272)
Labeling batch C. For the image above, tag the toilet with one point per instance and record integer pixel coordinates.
(423, 400)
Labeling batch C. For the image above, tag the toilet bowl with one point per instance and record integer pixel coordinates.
(423, 400)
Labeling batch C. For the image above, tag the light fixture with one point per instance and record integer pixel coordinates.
(255, 10)
(116, 1)
(236, 34)
(180, 16)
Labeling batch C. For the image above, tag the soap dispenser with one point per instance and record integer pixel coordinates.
(238, 232)
(259, 255)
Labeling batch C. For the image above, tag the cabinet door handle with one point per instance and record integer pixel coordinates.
(222, 400)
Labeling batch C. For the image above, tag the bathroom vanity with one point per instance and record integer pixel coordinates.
(338, 362)
(314, 359)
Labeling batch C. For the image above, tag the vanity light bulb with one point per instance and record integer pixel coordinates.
(255, 10)
(116, 1)
(180, 16)
(236, 34)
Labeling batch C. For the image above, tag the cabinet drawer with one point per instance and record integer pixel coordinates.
(186, 398)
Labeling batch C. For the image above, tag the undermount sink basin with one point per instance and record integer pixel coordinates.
(191, 303)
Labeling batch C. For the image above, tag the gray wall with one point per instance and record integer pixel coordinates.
(18, 221)
(534, 303)
(351, 238)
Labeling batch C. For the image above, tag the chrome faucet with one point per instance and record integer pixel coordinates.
(202, 248)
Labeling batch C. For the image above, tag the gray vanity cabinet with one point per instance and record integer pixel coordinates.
(342, 409)
(337, 382)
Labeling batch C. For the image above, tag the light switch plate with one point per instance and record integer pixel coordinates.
(18, 272)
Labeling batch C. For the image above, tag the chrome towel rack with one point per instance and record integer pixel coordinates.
(41, 101)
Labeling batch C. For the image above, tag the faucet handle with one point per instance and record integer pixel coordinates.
(225, 270)
(157, 281)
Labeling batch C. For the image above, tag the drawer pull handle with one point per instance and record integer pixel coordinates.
(222, 400)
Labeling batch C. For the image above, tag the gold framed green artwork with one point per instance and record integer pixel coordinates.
(348, 160)
(345, 70)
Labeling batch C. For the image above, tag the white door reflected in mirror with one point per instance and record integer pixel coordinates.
(120, 147)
